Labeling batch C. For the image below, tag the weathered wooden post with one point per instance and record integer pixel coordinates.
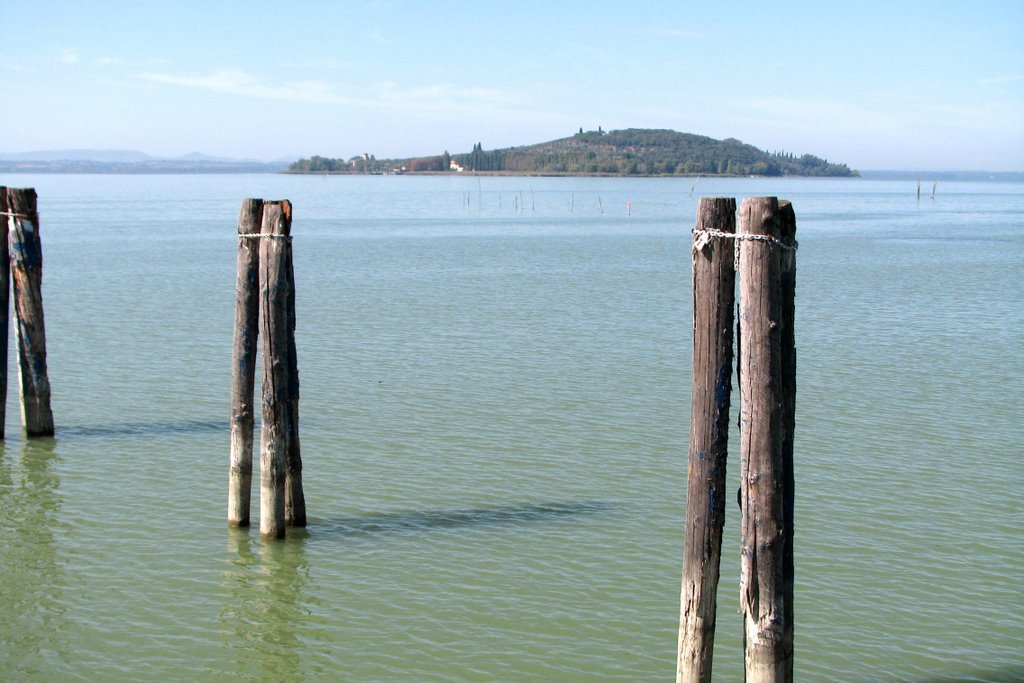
(243, 361)
(26, 257)
(276, 432)
(788, 282)
(5, 303)
(294, 499)
(764, 432)
(265, 307)
(713, 300)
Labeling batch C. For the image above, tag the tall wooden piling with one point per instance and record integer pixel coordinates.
(5, 303)
(788, 287)
(294, 498)
(243, 362)
(26, 258)
(276, 432)
(713, 300)
(764, 395)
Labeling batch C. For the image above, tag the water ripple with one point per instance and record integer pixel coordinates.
(143, 428)
(420, 520)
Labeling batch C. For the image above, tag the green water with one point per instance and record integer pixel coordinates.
(495, 379)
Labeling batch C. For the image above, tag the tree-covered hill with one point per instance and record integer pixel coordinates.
(620, 152)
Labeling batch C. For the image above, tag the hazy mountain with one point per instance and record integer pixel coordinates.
(199, 156)
(130, 161)
(121, 156)
(103, 155)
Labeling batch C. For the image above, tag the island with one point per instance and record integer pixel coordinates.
(629, 152)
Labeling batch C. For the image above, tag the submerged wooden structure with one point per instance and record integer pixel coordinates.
(265, 309)
(21, 268)
(764, 248)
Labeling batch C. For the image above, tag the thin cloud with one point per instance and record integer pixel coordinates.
(673, 33)
(1002, 80)
(69, 56)
(329, 64)
(238, 82)
(656, 112)
(983, 116)
(814, 114)
(443, 98)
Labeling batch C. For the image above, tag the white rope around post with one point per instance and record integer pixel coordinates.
(702, 237)
(258, 235)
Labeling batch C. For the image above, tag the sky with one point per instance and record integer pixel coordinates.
(898, 84)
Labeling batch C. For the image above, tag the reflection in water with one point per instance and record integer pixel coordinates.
(420, 520)
(1008, 675)
(144, 428)
(263, 605)
(265, 619)
(31, 569)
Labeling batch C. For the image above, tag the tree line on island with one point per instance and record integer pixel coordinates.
(630, 152)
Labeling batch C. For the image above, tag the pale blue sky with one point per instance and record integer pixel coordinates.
(934, 85)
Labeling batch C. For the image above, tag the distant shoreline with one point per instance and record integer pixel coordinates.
(148, 167)
(229, 168)
(947, 176)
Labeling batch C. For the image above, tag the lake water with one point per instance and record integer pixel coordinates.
(494, 418)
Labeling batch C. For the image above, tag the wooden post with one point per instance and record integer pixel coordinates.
(788, 283)
(243, 362)
(294, 498)
(713, 300)
(26, 254)
(768, 635)
(5, 302)
(275, 434)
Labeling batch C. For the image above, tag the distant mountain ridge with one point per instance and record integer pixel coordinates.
(104, 155)
(129, 161)
(629, 152)
(121, 156)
